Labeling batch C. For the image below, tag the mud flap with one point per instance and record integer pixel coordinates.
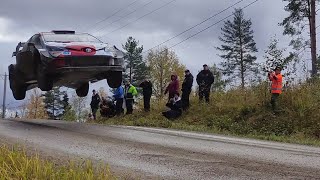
(25, 62)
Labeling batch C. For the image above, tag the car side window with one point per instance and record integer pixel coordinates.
(36, 39)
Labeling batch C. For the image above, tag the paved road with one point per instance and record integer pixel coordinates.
(167, 154)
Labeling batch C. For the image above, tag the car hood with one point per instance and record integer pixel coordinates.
(94, 45)
(101, 48)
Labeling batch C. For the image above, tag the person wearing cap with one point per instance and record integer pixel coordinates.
(95, 100)
(205, 79)
(130, 93)
(146, 86)
(186, 89)
(276, 86)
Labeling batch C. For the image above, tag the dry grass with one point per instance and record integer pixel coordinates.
(15, 164)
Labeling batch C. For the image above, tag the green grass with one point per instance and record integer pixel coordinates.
(15, 164)
(245, 114)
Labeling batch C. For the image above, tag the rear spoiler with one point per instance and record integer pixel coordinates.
(63, 32)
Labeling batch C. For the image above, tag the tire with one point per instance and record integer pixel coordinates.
(83, 90)
(114, 79)
(19, 93)
(44, 82)
(18, 88)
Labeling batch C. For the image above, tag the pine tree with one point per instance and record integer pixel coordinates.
(219, 84)
(274, 57)
(65, 101)
(136, 69)
(294, 25)
(238, 48)
(54, 103)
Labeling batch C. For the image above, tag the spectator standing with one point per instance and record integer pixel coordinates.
(146, 86)
(186, 89)
(95, 100)
(205, 79)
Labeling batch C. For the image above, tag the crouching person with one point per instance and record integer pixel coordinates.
(175, 105)
(107, 108)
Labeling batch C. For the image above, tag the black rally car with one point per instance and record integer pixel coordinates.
(64, 58)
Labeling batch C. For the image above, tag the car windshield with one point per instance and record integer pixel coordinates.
(70, 38)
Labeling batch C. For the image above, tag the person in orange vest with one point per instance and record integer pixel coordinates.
(276, 87)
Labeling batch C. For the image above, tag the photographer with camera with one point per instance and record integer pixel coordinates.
(276, 87)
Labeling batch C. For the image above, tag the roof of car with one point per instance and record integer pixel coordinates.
(61, 32)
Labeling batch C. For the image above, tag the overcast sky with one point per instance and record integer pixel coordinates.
(19, 20)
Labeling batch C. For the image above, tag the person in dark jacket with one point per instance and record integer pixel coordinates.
(146, 86)
(186, 89)
(173, 87)
(175, 105)
(119, 96)
(205, 79)
(95, 100)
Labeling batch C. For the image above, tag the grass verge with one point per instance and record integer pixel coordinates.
(244, 113)
(15, 164)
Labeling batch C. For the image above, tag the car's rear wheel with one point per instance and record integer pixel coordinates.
(83, 90)
(18, 88)
(44, 82)
(114, 79)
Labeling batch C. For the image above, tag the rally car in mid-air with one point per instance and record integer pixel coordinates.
(64, 58)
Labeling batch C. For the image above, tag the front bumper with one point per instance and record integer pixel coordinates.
(81, 64)
(96, 69)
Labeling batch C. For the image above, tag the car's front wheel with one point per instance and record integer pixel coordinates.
(114, 79)
(18, 88)
(44, 82)
(83, 90)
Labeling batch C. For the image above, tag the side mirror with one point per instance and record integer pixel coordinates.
(14, 54)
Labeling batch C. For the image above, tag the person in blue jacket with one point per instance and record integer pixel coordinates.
(118, 96)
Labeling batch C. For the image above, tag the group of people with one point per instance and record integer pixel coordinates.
(121, 95)
(125, 94)
(176, 103)
(179, 104)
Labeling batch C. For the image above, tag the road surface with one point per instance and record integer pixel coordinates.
(150, 153)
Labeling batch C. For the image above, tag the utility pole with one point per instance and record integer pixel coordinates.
(4, 96)
(313, 37)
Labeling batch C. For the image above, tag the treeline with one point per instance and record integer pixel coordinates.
(56, 104)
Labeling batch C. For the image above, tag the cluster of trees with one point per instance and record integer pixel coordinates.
(157, 66)
(54, 104)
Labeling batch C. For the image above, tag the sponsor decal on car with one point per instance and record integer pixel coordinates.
(66, 53)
